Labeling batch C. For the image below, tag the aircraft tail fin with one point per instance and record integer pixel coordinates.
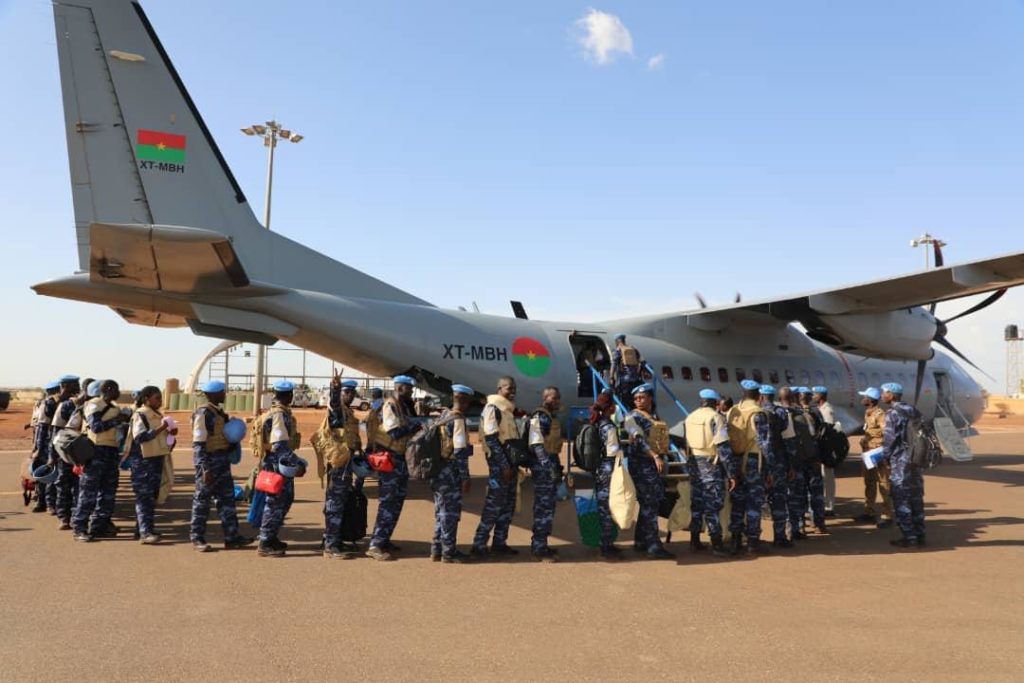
(141, 155)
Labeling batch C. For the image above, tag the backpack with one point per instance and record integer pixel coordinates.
(423, 453)
(518, 450)
(353, 517)
(833, 445)
(588, 448)
(73, 448)
(806, 448)
(922, 444)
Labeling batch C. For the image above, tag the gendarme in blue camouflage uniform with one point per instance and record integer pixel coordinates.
(149, 449)
(393, 435)
(103, 417)
(280, 439)
(648, 443)
(545, 441)
(339, 474)
(707, 444)
(449, 483)
(906, 478)
(498, 427)
(68, 415)
(46, 494)
(211, 453)
(777, 460)
(626, 369)
(750, 441)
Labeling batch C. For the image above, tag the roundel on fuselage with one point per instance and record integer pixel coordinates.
(530, 356)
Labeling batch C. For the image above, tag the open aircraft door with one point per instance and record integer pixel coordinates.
(588, 348)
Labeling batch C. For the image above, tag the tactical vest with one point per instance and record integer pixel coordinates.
(630, 356)
(553, 441)
(351, 426)
(742, 430)
(294, 437)
(657, 435)
(58, 421)
(157, 446)
(109, 437)
(447, 443)
(381, 437)
(216, 442)
(700, 432)
(507, 429)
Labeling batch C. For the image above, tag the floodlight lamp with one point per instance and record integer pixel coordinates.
(285, 133)
(260, 130)
(249, 131)
(296, 137)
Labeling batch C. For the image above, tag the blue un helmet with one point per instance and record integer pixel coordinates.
(212, 387)
(282, 386)
(234, 430)
(871, 392)
(361, 467)
(290, 465)
(767, 390)
(45, 474)
(710, 395)
(749, 385)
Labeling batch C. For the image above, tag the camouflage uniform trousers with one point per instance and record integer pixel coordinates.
(146, 476)
(747, 498)
(815, 479)
(907, 495)
(447, 488)
(543, 502)
(778, 492)
(499, 506)
(108, 493)
(276, 506)
(221, 492)
(602, 489)
(392, 488)
(649, 491)
(62, 495)
(95, 479)
(339, 487)
(697, 503)
(710, 481)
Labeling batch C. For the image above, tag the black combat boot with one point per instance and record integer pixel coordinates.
(695, 543)
(737, 543)
(717, 547)
(755, 547)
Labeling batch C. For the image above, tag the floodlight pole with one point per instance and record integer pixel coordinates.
(270, 133)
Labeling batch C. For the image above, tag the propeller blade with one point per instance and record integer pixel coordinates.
(700, 300)
(919, 380)
(996, 296)
(938, 253)
(945, 343)
(739, 297)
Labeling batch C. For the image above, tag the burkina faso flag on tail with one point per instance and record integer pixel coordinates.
(153, 145)
(530, 356)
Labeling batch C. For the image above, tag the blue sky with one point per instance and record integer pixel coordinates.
(473, 151)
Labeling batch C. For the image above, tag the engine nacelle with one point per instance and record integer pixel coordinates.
(896, 335)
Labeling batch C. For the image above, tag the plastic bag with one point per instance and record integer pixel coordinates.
(622, 496)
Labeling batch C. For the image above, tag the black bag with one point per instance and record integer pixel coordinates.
(518, 450)
(922, 444)
(73, 448)
(806, 448)
(833, 445)
(588, 448)
(353, 517)
(423, 453)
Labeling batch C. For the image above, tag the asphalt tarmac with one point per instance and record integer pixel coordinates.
(843, 607)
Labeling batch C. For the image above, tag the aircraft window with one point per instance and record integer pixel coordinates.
(723, 375)
(666, 373)
(705, 374)
(790, 377)
(741, 374)
(819, 377)
(834, 377)
(862, 381)
(758, 377)
(876, 379)
(686, 373)
(805, 378)
(773, 377)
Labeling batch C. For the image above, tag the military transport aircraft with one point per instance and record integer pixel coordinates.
(166, 238)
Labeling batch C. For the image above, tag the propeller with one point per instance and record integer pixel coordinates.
(739, 297)
(700, 300)
(941, 329)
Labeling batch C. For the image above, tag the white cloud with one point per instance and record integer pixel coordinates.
(656, 62)
(603, 37)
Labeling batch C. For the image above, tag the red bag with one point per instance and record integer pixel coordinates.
(271, 483)
(77, 470)
(380, 462)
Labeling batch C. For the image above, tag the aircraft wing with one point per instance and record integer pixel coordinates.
(901, 292)
(882, 319)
